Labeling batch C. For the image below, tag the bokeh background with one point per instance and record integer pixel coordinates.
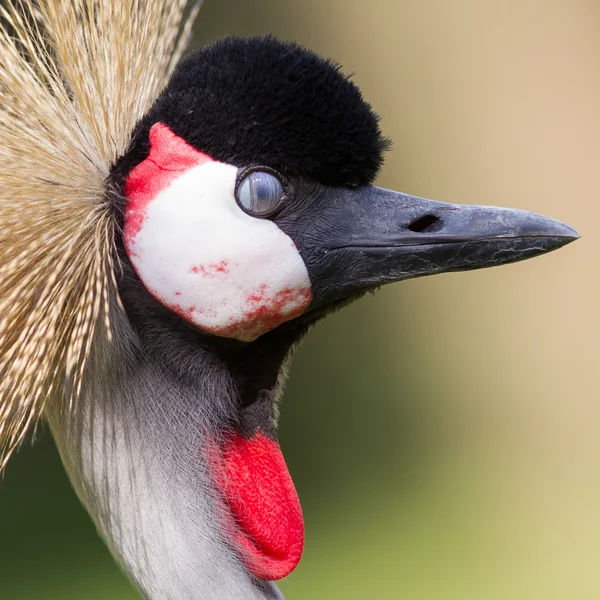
(443, 435)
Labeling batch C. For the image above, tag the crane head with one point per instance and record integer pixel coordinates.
(248, 196)
(163, 252)
(247, 212)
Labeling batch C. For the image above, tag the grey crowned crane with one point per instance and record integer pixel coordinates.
(169, 231)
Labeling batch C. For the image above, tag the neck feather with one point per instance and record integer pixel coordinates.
(136, 450)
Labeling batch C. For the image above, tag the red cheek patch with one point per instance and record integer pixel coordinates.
(265, 311)
(258, 490)
(169, 157)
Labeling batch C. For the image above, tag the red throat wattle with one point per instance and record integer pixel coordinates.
(251, 475)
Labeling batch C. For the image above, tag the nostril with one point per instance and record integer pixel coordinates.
(426, 224)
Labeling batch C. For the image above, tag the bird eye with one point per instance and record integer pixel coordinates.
(260, 193)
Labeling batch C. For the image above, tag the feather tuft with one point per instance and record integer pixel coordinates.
(75, 77)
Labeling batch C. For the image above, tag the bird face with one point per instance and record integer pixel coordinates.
(197, 234)
(248, 212)
(237, 251)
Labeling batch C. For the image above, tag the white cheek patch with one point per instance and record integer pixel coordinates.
(217, 267)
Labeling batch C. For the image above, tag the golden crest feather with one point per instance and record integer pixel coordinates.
(75, 77)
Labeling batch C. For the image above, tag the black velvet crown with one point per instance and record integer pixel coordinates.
(261, 101)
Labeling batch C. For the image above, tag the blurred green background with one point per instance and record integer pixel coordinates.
(477, 471)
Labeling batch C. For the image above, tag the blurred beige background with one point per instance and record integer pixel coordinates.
(477, 473)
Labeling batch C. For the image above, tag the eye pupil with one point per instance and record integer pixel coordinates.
(260, 193)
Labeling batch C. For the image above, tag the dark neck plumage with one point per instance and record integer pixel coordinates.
(137, 446)
(248, 372)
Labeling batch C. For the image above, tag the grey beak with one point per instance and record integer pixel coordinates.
(370, 236)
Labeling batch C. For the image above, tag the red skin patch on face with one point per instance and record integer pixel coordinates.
(169, 157)
(220, 267)
(253, 479)
(264, 312)
(199, 270)
(183, 312)
(211, 270)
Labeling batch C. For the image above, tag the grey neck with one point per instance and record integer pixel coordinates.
(135, 450)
